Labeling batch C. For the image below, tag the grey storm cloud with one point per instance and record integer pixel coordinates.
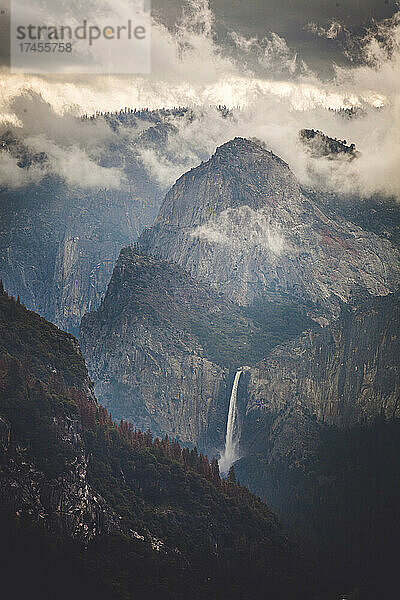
(273, 93)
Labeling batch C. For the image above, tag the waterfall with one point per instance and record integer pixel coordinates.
(230, 454)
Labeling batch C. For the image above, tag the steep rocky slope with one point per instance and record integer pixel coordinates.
(242, 222)
(59, 241)
(96, 510)
(141, 351)
(320, 441)
(378, 214)
(342, 375)
(162, 347)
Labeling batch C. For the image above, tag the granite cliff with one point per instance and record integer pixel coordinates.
(172, 329)
(341, 375)
(318, 405)
(162, 347)
(242, 222)
(147, 362)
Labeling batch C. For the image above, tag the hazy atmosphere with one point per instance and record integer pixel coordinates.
(199, 299)
(267, 77)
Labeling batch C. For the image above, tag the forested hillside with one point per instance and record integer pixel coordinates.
(109, 511)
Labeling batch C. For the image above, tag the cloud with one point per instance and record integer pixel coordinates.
(272, 53)
(189, 67)
(272, 104)
(242, 228)
(13, 176)
(275, 110)
(72, 147)
(74, 165)
(330, 33)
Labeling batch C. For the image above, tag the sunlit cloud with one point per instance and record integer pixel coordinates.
(191, 69)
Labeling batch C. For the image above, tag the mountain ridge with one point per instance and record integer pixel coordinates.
(242, 222)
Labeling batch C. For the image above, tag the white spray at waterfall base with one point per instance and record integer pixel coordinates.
(231, 454)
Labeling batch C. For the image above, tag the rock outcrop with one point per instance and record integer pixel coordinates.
(67, 504)
(343, 375)
(242, 222)
(320, 145)
(148, 363)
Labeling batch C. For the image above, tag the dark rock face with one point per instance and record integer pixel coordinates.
(242, 222)
(114, 511)
(341, 375)
(59, 243)
(4, 434)
(43, 460)
(147, 363)
(67, 504)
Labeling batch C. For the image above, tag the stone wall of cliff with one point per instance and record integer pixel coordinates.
(342, 375)
(242, 222)
(148, 365)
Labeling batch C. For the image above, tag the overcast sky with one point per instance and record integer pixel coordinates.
(290, 19)
(280, 64)
(300, 22)
(231, 51)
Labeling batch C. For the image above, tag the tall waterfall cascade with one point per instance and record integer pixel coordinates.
(230, 454)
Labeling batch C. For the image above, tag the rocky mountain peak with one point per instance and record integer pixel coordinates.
(242, 222)
(242, 148)
(240, 173)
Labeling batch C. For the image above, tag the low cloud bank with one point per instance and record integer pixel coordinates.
(191, 69)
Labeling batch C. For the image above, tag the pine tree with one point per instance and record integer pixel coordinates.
(231, 475)
(215, 469)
